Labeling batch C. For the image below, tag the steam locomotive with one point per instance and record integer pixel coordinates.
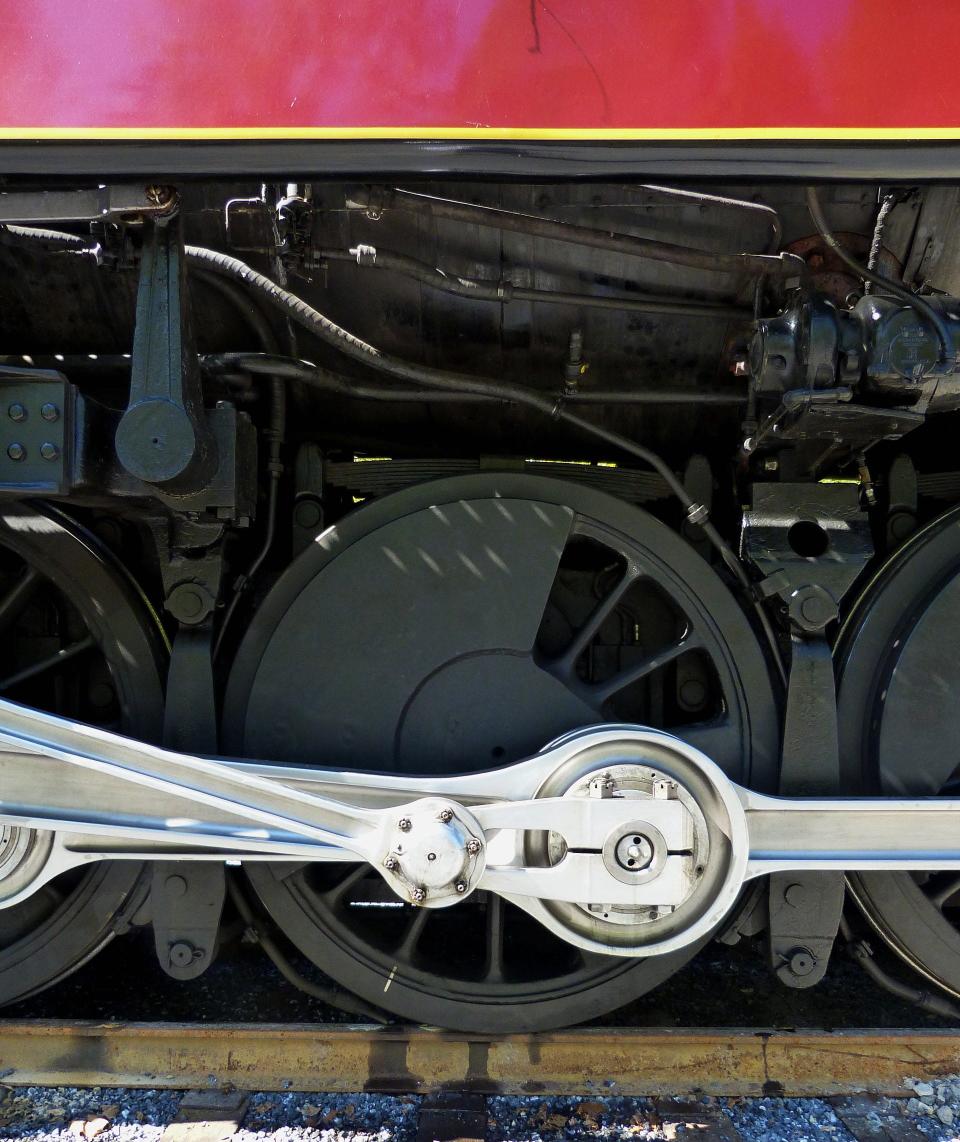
(479, 494)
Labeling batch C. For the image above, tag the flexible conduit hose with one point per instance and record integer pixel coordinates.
(876, 243)
(947, 351)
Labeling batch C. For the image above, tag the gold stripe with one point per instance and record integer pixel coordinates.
(543, 134)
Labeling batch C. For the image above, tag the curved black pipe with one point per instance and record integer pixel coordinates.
(479, 290)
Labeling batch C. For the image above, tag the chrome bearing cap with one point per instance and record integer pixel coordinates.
(434, 854)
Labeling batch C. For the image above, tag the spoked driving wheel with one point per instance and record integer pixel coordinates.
(77, 641)
(899, 673)
(460, 626)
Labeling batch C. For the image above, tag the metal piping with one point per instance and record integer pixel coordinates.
(478, 290)
(375, 202)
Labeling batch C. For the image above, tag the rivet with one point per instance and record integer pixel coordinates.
(176, 886)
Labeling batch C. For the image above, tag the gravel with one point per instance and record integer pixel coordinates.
(935, 1107)
(330, 1117)
(68, 1114)
(796, 1119)
(50, 1112)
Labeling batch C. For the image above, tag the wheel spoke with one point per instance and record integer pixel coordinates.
(563, 666)
(493, 963)
(49, 663)
(411, 937)
(601, 691)
(334, 896)
(16, 599)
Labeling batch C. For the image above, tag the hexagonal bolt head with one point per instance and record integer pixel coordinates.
(391, 864)
(404, 825)
(446, 815)
(49, 411)
(473, 846)
(16, 411)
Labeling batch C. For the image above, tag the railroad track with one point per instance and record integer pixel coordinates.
(598, 1062)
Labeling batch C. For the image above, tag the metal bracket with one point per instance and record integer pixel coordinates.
(186, 897)
(163, 437)
(810, 558)
(85, 205)
(903, 492)
(190, 715)
(805, 907)
(805, 910)
(36, 443)
(187, 902)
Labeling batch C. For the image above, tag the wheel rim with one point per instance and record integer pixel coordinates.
(485, 964)
(85, 646)
(895, 657)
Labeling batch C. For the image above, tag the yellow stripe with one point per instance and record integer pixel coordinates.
(544, 134)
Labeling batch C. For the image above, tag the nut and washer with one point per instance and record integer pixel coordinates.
(446, 815)
(461, 886)
(404, 824)
(473, 846)
(391, 864)
(417, 895)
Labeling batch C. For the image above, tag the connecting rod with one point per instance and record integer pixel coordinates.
(606, 820)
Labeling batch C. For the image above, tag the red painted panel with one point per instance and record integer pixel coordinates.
(604, 64)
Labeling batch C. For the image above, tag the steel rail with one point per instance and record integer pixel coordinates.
(336, 1058)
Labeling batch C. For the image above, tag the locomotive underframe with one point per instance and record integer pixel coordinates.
(784, 410)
